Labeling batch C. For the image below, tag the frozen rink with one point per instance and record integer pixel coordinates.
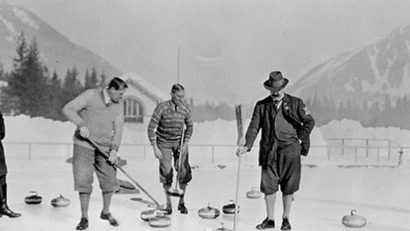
(378, 190)
(327, 194)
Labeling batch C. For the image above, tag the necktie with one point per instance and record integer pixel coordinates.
(276, 103)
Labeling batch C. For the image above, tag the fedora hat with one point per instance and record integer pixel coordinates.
(276, 81)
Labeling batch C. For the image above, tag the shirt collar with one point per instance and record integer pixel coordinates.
(173, 105)
(278, 101)
(107, 99)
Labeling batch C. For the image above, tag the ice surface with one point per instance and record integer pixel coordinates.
(327, 193)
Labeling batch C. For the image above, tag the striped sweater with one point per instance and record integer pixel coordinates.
(167, 122)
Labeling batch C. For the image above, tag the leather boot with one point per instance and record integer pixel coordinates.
(4, 209)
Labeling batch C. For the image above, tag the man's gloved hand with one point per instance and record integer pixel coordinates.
(304, 149)
(113, 157)
(157, 152)
(241, 150)
(84, 132)
(241, 141)
(184, 149)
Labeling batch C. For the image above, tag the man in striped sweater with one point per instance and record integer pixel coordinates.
(165, 131)
(97, 113)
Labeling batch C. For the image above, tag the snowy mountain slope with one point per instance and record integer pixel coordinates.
(365, 75)
(57, 51)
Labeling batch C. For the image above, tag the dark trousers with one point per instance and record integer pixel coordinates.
(3, 180)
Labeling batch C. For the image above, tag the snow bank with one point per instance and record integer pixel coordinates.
(353, 129)
(23, 128)
(211, 141)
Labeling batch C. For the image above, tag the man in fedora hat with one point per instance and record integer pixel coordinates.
(286, 124)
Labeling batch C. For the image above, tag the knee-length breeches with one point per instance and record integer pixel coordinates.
(87, 161)
(169, 153)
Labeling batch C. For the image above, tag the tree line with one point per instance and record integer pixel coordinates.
(384, 113)
(32, 90)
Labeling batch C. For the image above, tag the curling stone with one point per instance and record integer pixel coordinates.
(230, 208)
(160, 220)
(33, 199)
(209, 212)
(353, 220)
(60, 201)
(148, 214)
(253, 194)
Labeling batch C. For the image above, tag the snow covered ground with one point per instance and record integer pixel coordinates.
(329, 190)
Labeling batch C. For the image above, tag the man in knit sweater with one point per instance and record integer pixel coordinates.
(165, 133)
(97, 113)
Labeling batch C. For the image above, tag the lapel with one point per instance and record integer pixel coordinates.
(286, 104)
(271, 110)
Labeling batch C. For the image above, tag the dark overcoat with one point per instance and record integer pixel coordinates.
(294, 111)
(3, 167)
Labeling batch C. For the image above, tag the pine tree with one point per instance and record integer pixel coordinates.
(103, 80)
(11, 95)
(6, 102)
(35, 98)
(2, 73)
(27, 82)
(86, 77)
(71, 86)
(55, 98)
(91, 80)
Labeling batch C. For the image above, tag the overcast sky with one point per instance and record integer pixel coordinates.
(226, 47)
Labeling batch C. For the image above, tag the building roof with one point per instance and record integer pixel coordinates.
(144, 86)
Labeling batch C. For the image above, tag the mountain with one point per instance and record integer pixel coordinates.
(376, 73)
(57, 51)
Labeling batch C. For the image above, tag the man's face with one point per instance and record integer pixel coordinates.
(116, 95)
(178, 97)
(276, 95)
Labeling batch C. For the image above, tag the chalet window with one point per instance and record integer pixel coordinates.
(133, 111)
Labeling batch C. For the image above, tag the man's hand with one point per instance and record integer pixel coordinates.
(113, 157)
(241, 141)
(241, 150)
(184, 149)
(157, 152)
(84, 132)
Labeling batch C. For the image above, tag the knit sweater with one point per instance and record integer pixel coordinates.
(167, 121)
(103, 119)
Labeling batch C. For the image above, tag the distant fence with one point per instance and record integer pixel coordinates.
(366, 150)
(337, 150)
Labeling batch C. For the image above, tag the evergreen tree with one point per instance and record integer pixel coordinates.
(373, 118)
(6, 103)
(71, 86)
(103, 80)
(3, 76)
(35, 74)
(27, 82)
(91, 80)
(55, 98)
(10, 95)
(86, 77)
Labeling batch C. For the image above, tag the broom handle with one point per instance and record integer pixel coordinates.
(180, 156)
(237, 192)
(239, 124)
(123, 171)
